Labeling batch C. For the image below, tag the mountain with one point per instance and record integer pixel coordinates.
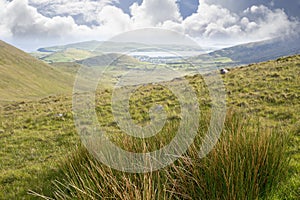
(23, 77)
(88, 46)
(258, 51)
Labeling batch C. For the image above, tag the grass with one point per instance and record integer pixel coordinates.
(37, 144)
(68, 55)
(33, 139)
(23, 77)
(247, 163)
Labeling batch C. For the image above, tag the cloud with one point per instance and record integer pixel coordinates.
(23, 26)
(23, 21)
(155, 12)
(211, 21)
(51, 20)
(255, 23)
(268, 23)
(113, 20)
(4, 31)
(83, 12)
(291, 7)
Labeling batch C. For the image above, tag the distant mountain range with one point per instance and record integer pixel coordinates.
(120, 47)
(236, 55)
(85, 50)
(256, 52)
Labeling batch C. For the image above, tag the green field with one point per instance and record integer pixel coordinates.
(257, 156)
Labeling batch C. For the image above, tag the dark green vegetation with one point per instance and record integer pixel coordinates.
(23, 77)
(257, 156)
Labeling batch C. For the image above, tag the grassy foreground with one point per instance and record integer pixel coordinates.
(247, 163)
(252, 160)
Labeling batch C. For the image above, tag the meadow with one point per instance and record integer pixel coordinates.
(257, 156)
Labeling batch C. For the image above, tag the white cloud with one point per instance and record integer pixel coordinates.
(267, 23)
(4, 30)
(23, 21)
(20, 19)
(211, 21)
(113, 21)
(83, 12)
(155, 12)
(255, 23)
(174, 26)
(23, 26)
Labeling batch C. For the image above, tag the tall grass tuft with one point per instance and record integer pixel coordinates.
(247, 163)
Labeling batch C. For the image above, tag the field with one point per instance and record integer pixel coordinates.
(257, 156)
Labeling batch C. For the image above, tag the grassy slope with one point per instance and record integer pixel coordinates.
(67, 67)
(23, 77)
(68, 55)
(110, 59)
(34, 138)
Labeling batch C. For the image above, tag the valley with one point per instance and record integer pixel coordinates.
(42, 154)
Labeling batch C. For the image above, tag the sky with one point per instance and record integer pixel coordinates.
(31, 24)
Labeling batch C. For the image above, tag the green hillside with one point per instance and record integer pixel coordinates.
(68, 55)
(39, 139)
(67, 67)
(23, 77)
(110, 59)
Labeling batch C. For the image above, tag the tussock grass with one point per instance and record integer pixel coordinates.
(247, 163)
